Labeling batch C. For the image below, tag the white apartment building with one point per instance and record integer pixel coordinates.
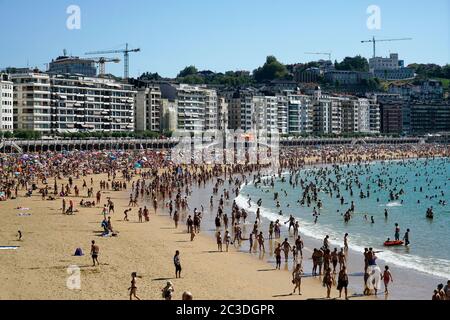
(300, 119)
(148, 109)
(222, 110)
(360, 115)
(327, 116)
(240, 109)
(270, 109)
(6, 103)
(62, 103)
(374, 116)
(196, 106)
(283, 114)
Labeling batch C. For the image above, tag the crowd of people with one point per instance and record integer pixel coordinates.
(153, 180)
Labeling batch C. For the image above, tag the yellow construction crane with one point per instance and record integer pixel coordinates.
(374, 41)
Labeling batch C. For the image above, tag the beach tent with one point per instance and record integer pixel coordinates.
(78, 252)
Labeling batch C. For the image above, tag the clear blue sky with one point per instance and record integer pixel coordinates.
(220, 35)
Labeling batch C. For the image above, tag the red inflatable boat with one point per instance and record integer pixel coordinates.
(393, 243)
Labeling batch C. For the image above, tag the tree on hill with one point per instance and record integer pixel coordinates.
(431, 70)
(357, 63)
(148, 76)
(188, 71)
(271, 70)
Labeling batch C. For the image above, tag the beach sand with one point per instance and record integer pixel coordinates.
(38, 269)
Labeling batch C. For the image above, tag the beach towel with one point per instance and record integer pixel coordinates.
(9, 247)
(24, 214)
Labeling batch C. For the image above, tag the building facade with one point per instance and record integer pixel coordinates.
(148, 109)
(73, 65)
(6, 103)
(390, 68)
(300, 119)
(62, 103)
(196, 106)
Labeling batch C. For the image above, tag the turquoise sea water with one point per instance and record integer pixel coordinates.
(429, 250)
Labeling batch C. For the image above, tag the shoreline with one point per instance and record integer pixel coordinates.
(421, 286)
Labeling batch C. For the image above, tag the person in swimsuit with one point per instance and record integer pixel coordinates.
(286, 248)
(177, 263)
(334, 259)
(94, 253)
(133, 287)
(277, 253)
(346, 242)
(328, 281)
(261, 242)
(297, 278)
(341, 259)
(343, 282)
(386, 277)
(219, 241)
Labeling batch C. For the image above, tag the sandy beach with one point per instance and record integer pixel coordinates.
(43, 262)
(38, 269)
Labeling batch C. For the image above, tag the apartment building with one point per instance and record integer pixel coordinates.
(148, 109)
(196, 106)
(360, 115)
(240, 109)
(283, 114)
(327, 116)
(300, 114)
(52, 103)
(6, 103)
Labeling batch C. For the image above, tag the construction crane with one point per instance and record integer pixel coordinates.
(101, 61)
(374, 42)
(126, 57)
(321, 53)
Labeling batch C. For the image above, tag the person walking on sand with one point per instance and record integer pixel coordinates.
(277, 253)
(227, 239)
(261, 242)
(343, 282)
(286, 248)
(250, 239)
(94, 253)
(133, 287)
(177, 263)
(386, 277)
(176, 218)
(328, 281)
(219, 241)
(297, 278)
